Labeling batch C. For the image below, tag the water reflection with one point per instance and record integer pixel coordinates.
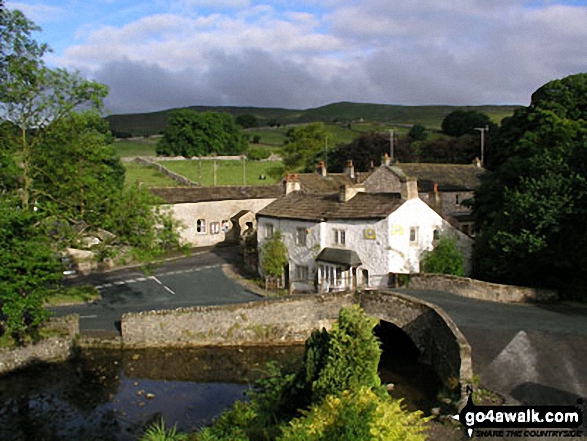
(113, 395)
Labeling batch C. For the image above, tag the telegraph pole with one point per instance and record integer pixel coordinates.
(482, 130)
(391, 146)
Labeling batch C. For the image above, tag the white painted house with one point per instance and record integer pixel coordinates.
(353, 238)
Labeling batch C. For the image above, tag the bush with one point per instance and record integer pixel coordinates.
(445, 258)
(256, 154)
(359, 415)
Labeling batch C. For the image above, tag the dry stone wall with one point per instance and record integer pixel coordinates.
(478, 289)
(48, 350)
(267, 322)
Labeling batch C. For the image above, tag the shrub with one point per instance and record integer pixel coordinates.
(445, 258)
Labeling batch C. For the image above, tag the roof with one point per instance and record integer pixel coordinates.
(181, 195)
(315, 183)
(321, 207)
(337, 255)
(449, 177)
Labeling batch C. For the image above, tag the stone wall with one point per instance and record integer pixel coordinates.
(267, 322)
(175, 176)
(478, 289)
(48, 350)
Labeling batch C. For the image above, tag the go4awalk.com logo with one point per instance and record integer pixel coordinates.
(527, 421)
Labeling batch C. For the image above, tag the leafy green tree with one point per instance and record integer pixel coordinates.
(531, 208)
(33, 96)
(247, 121)
(29, 269)
(417, 133)
(77, 169)
(273, 256)
(190, 134)
(303, 146)
(445, 258)
(461, 122)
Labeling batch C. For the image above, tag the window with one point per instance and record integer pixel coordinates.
(214, 227)
(301, 236)
(339, 237)
(457, 199)
(436, 234)
(302, 273)
(268, 230)
(201, 226)
(413, 235)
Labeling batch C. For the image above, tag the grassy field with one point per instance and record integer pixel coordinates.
(136, 147)
(148, 176)
(227, 172)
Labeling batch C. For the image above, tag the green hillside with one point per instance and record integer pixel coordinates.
(140, 124)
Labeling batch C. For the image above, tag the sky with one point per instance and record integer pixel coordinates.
(301, 54)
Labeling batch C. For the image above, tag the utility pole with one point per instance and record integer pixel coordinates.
(244, 170)
(482, 130)
(391, 146)
(215, 170)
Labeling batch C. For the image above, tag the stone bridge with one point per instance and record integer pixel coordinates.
(283, 321)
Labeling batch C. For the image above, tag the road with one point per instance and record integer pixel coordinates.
(193, 281)
(530, 353)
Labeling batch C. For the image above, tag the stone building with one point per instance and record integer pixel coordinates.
(209, 215)
(352, 238)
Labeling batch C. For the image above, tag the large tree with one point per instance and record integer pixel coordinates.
(33, 96)
(303, 146)
(77, 169)
(531, 209)
(461, 122)
(190, 133)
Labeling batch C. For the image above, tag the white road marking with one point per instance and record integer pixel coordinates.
(170, 273)
(88, 316)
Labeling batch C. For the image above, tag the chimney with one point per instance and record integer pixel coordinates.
(291, 184)
(349, 169)
(321, 169)
(409, 189)
(385, 160)
(435, 200)
(347, 192)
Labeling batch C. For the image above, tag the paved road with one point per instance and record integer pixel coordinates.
(194, 281)
(530, 353)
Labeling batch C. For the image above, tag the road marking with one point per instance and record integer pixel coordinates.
(88, 316)
(170, 273)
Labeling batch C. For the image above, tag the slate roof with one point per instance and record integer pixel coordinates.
(449, 177)
(322, 207)
(314, 183)
(337, 255)
(180, 195)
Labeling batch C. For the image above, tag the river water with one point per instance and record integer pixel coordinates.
(113, 395)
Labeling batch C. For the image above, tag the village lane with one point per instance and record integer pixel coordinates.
(529, 353)
(197, 280)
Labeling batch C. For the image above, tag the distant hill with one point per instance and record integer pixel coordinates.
(139, 124)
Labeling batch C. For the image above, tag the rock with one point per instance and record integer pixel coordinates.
(150, 396)
(435, 411)
(89, 241)
(78, 255)
(390, 387)
(135, 357)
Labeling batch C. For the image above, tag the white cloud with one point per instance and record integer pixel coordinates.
(295, 55)
(38, 12)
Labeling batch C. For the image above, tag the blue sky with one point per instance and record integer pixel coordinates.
(306, 53)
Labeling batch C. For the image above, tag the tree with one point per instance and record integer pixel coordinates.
(531, 209)
(247, 121)
(190, 134)
(417, 133)
(33, 96)
(303, 146)
(77, 170)
(461, 122)
(273, 256)
(445, 258)
(29, 269)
